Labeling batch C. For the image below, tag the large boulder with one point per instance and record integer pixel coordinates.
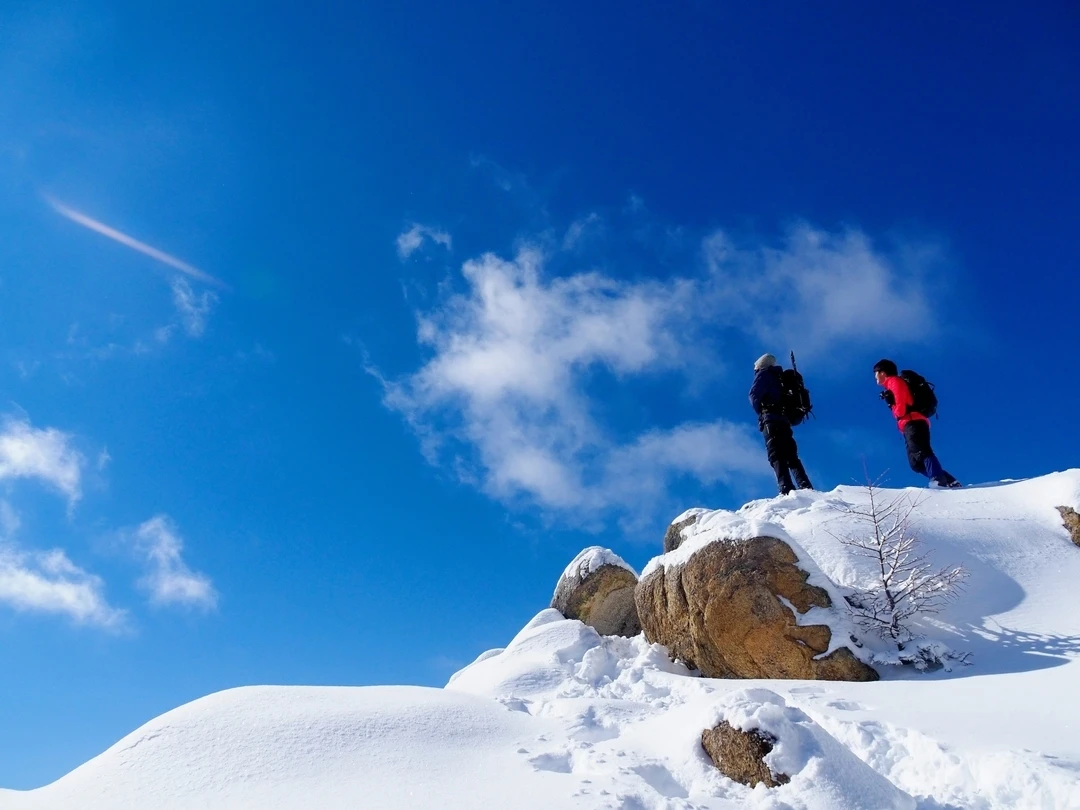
(597, 588)
(740, 755)
(673, 538)
(730, 611)
(1072, 522)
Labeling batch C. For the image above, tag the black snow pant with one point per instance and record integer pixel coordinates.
(921, 455)
(784, 455)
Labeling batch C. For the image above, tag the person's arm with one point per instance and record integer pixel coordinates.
(755, 394)
(902, 400)
(765, 392)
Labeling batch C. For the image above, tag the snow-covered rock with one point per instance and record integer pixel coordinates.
(797, 745)
(740, 755)
(742, 608)
(597, 588)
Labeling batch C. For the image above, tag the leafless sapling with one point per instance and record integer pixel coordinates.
(907, 584)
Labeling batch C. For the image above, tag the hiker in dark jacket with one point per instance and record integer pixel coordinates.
(915, 426)
(766, 398)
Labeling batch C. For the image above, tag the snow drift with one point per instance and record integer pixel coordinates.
(564, 717)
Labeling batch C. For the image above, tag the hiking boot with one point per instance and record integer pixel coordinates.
(950, 484)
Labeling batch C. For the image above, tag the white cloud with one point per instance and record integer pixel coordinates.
(410, 241)
(26, 369)
(578, 229)
(510, 359)
(709, 452)
(503, 398)
(193, 308)
(46, 581)
(818, 289)
(170, 581)
(45, 454)
(49, 582)
(504, 179)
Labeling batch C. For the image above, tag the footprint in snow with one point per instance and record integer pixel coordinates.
(661, 780)
(809, 691)
(556, 763)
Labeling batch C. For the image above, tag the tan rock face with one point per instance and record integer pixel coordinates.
(722, 613)
(1072, 522)
(740, 755)
(602, 598)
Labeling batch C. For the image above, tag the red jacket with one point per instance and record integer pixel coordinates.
(902, 400)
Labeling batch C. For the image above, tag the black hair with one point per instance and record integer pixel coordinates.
(886, 367)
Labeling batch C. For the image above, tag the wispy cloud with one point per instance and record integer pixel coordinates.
(503, 178)
(49, 582)
(131, 242)
(816, 289)
(26, 369)
(579, 228)
(258, 353)
(169, 580)
(192, 308)
(511, 357)
(411, 240)
(709, 452)
(46, 454)
(505, 397)
(634, 205)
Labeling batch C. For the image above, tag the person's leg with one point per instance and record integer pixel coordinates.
(775, 447)
(783, 478)
(802, 480)
(921, 455)
(917, 443)
(936, 473)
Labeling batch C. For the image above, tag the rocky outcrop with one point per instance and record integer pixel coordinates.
(740, 755)
(729, 611)
(1072, 522)
(597, 588)
(673, 538)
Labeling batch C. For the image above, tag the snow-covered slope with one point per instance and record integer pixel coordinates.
(565, 718)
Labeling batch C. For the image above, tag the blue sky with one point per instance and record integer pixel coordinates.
(444, 294)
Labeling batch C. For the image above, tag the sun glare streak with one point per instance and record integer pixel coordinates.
(134, 244)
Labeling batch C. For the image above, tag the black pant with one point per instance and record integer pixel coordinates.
(920, 454)
(784, 455)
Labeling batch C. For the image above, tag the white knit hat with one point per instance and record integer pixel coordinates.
(765, 361)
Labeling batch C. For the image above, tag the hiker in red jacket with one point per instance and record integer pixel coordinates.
(915, 426)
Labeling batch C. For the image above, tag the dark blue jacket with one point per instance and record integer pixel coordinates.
(766, 393)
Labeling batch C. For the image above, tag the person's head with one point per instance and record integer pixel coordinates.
(765, 361)
(884, 369)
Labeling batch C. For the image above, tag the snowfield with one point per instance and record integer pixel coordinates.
(565, 718)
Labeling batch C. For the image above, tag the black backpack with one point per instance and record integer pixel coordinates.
(922, 393)
(795, 396)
